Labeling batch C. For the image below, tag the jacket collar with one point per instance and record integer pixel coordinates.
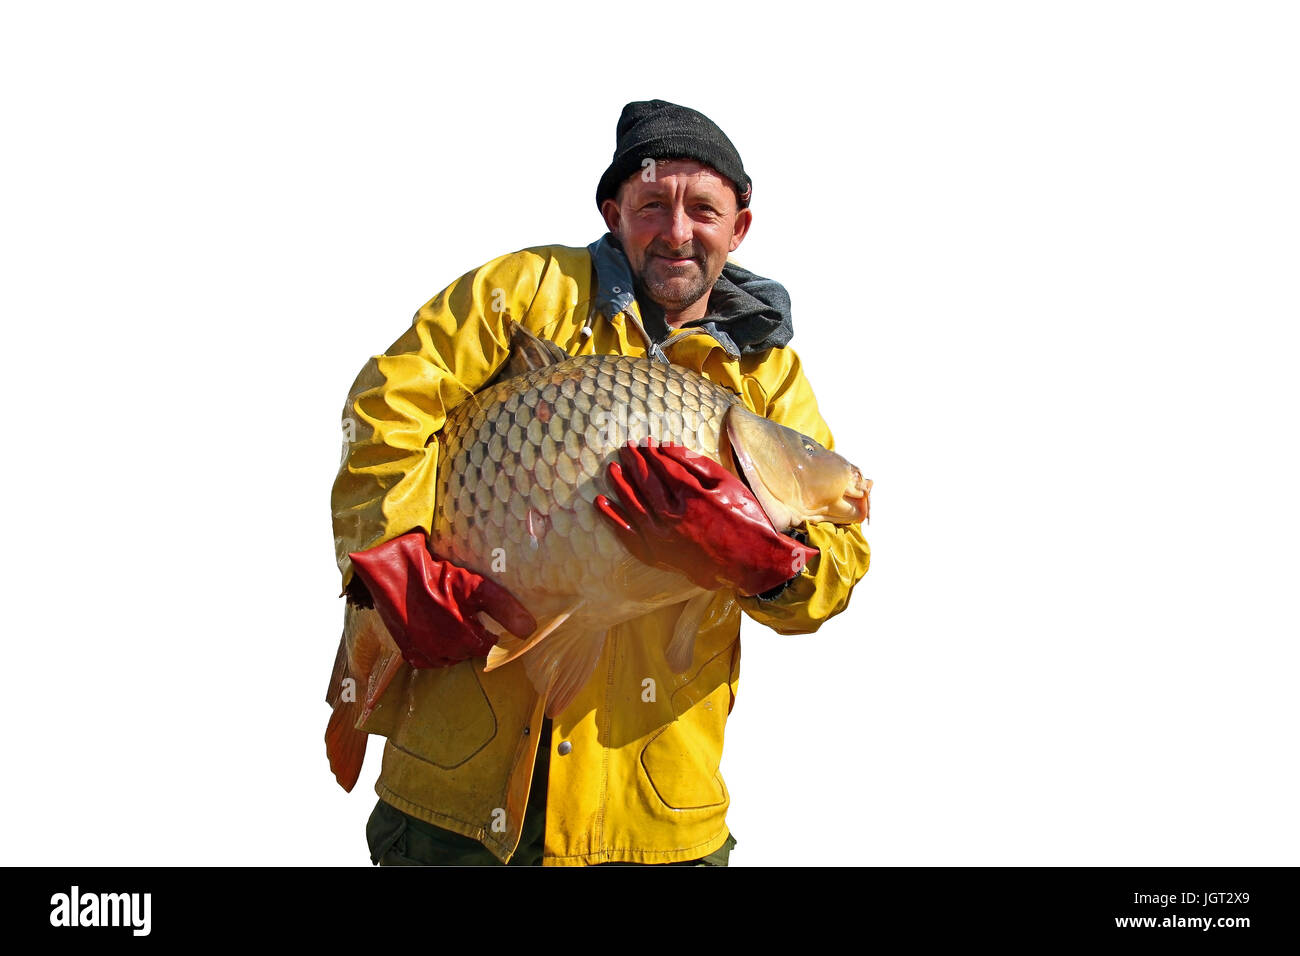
(747, 313)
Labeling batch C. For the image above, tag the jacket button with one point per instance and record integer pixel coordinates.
(564, 747)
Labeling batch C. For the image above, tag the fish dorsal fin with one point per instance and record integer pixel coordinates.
(528, 352)
(681, 649)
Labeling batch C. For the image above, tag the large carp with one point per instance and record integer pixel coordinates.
(520, 465)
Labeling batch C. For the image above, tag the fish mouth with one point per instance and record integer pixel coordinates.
(858, 493)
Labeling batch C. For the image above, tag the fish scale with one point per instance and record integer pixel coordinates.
(520, 466)
(522, 462)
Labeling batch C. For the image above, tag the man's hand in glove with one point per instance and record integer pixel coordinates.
(682, 511)
(431, 606)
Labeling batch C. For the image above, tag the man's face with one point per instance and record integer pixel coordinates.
(677, 231)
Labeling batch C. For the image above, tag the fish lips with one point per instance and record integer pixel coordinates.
(859, 496)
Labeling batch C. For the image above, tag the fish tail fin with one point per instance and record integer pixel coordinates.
(345, 746)
(367, 649)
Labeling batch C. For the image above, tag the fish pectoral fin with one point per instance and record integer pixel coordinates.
(508, 647)
(638, 581)
(681, 649)
(561, 666)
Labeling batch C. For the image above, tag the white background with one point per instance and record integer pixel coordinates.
(1043, 263)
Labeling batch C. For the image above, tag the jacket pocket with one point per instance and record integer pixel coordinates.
(448, 717)
(681, 761)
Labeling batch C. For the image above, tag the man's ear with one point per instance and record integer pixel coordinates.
(743, 220)
(612, 214)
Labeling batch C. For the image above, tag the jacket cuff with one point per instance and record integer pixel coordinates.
(800, 535)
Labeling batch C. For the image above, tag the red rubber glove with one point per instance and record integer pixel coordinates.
(431, 606)
(684, 512)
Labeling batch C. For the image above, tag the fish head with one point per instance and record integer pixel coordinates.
(795, 478)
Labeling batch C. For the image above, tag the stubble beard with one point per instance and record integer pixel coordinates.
(674, 297)
(665, 285)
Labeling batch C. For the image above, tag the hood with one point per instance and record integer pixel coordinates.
(747, 313)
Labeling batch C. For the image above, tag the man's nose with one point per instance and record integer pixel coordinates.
(679, 228)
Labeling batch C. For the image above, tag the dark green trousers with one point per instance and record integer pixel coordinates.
(398, 839)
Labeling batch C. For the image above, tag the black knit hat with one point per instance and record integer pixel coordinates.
(660, 130)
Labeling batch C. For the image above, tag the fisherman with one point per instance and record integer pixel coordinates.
(472, 771)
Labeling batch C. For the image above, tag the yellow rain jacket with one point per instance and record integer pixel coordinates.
(634, 759)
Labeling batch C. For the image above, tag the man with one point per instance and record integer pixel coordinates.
(472, 771)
